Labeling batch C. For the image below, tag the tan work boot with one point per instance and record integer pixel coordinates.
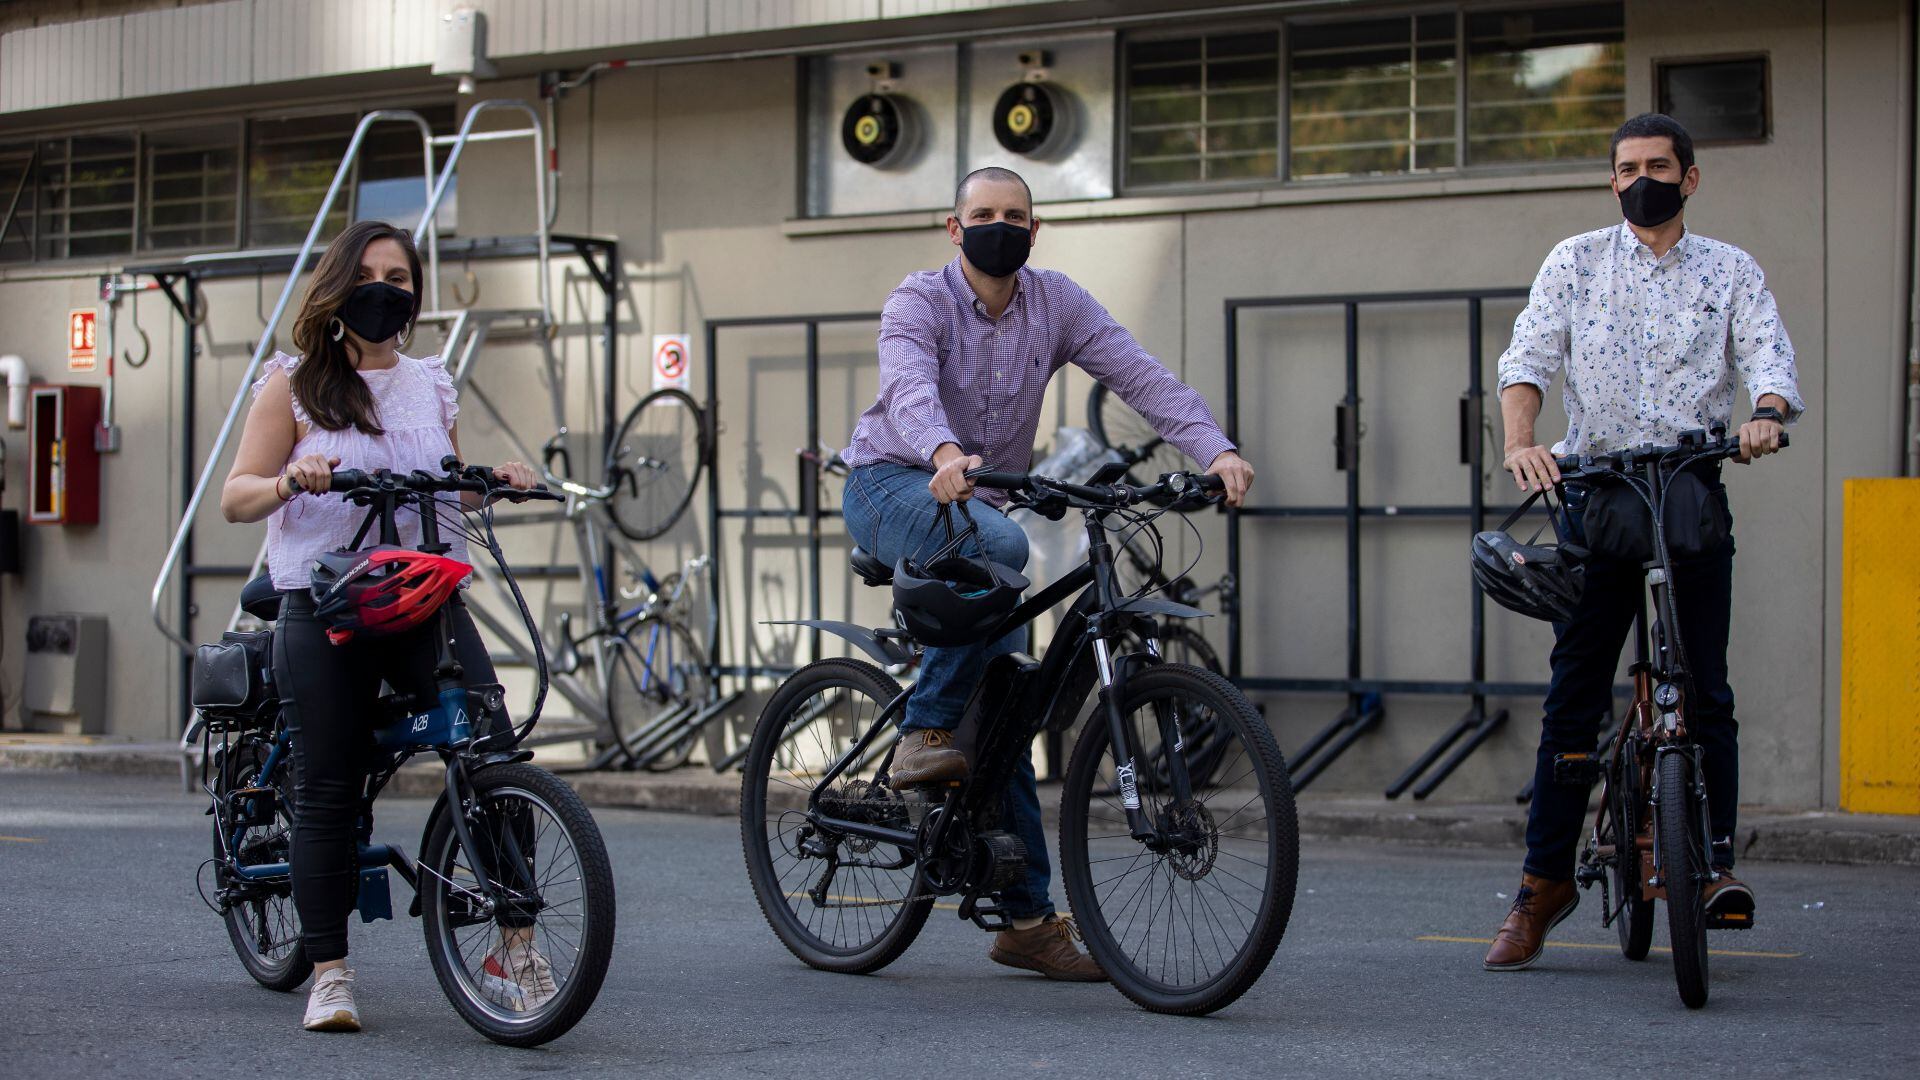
(927, 756)
(1048, 949)
(1538, 907)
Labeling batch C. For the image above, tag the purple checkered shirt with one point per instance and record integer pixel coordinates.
(950, 374)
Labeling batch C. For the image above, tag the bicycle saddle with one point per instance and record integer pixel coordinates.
(871, 570)
(260, 599)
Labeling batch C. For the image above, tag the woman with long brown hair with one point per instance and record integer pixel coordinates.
(352, 400)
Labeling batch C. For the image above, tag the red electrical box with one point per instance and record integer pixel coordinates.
(63, 468)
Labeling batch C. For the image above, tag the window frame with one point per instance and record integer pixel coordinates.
(143, 211)
(1284, 178)
(1661, 63)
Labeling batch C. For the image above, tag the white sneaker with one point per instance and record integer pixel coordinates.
(330, 1005)
(519, 977)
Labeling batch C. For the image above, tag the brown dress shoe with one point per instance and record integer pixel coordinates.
(927, 756)
(1538, 907)
(1729, 902)
(1048, 949)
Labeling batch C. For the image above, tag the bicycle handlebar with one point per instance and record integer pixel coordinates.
(1689, 450)
(360, 485)
(1097, 496)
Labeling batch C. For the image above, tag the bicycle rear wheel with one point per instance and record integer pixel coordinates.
(856, 909)
(1627, 806)
(1118, 427)
(554, 901)
(1683, 867)
(658, 683)
(261, 920)
(1188, 928)
(655, 463)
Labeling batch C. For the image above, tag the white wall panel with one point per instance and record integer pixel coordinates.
(514, 27)
(907, 9)
(589, 24)
(193, 48)
(63, 64)
(297, 39)
(747, 16)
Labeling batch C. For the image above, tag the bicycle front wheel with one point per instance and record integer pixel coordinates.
(261, 920)
(1187, 923)
(521, 931)
(655, 463)
(658, 684)
(1683, 868)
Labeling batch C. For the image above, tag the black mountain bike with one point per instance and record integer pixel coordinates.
(1650, 838)
(1181, 881)
(509, 856)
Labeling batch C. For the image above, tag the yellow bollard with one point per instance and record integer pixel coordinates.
(1880, 648)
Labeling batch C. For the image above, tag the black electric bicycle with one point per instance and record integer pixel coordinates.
(1181, 880)
(510, 854)
(1650, 838)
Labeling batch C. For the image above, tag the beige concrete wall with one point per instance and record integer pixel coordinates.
(694, 170)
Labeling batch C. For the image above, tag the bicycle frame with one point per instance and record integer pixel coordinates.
(1095, 618)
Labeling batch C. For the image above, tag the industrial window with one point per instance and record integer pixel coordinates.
(84, 206)
(1203, 108)
(1375, 96)
(1544, 85)
(1722, 100)
(290, 163)
(16, 203)
(1386, 95)
(191, 188)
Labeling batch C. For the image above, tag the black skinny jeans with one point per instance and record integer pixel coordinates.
(1586, 653)
(329, 694)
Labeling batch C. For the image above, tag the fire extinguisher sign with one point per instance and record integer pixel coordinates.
(670, 362)
(81, 352)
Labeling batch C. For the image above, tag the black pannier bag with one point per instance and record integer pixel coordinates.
(233, 678)
(1619, 525)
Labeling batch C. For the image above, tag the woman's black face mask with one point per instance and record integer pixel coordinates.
(376, 311)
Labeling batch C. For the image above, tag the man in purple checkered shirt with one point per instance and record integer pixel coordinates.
(966, 353)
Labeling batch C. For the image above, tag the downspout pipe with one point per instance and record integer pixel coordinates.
(18, 377)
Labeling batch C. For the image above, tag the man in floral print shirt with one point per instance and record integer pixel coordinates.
(1650, 324)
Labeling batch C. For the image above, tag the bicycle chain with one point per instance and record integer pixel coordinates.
(892, 799)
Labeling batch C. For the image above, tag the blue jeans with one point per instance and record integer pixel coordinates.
(1586, 653)
(891, 514)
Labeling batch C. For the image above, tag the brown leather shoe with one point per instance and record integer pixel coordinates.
(1538, 907)
(1048, 949)
(927, 756)
(1729, 902)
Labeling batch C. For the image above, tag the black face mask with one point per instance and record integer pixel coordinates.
(997, 248)
(377, 311)
(1648, 202)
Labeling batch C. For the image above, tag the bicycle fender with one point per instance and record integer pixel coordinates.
(884, 650)
(1152, 605)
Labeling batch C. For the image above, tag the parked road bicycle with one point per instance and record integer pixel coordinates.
(508, 849)
(1650, 839)
(1181, 885)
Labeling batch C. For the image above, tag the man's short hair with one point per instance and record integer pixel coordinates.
(991, 172)
(1654, 125)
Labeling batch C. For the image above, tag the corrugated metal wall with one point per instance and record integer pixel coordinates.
(244, 42)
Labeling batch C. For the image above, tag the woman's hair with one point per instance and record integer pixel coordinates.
(326, 382)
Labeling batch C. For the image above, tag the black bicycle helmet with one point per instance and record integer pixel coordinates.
(952, 599)
(1540, 581)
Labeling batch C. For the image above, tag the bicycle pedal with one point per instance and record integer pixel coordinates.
(1732, 920)
(1582, 769)
(1587, 876)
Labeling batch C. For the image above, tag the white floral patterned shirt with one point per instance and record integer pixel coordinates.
(1650, 346)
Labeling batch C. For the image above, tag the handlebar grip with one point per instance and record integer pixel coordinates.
(1210, 482)
(1784, 440)
(1004, 481)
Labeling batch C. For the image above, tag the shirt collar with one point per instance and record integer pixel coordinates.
(962, 289)
(1637, 250)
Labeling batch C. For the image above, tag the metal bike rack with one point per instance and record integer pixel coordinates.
(1364, 710)
(467, 331)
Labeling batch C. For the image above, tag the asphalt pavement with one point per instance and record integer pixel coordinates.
(111, 966)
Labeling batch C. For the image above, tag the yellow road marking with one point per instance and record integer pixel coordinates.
(1590, 945)
(863, 900)
(22, 839)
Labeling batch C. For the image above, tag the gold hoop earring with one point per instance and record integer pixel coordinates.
(339, 328)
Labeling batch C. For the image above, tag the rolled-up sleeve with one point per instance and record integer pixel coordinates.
(1101, 347)
(910, 373)
(1539, 345)
(1761, 351)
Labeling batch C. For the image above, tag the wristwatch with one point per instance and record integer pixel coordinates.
(1768, 412)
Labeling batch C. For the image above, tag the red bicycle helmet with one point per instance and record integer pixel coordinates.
(381, 590)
